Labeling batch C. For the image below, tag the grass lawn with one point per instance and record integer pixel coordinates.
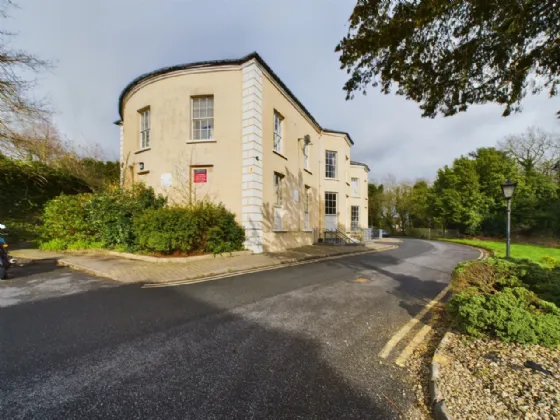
(531, 252)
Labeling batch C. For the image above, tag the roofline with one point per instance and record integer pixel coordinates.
(219, 63)
(353, 162)
(328, 130)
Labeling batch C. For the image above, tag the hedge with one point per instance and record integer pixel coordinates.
(137, 219)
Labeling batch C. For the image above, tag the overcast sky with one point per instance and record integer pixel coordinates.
(99, 46)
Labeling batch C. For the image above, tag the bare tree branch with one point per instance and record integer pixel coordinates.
(534, 150)
(17, 106)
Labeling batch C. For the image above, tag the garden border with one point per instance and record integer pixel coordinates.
(437, 402)
(178, 260)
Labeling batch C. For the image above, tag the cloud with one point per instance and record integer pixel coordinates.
(101, 46)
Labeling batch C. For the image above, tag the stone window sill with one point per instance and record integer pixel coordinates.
(201, 141)
(145, 149)
(279, 154)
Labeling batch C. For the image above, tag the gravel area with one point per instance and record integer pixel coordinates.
(420, 363)
(489, 379)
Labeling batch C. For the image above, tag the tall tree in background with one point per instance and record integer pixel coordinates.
(420, 202)
(450, 54)
(458, 203)
(375, 205)
(534, 150)
(16, 103)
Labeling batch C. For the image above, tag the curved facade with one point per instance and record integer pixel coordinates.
(230, 131)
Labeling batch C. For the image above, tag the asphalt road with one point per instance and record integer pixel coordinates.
(298, 342)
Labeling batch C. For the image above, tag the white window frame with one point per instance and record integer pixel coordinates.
(330, 200)
(331, 158)
(354, 218)
(278, 187)
(145, 125)
(196, 134)
(278, 182)
(278, 140)
(306, 219)
(355, 185)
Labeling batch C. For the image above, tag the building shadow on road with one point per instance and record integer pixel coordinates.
(167, 353)
(413, 292)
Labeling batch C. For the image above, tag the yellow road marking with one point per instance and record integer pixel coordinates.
(418, 338)
(409, 325)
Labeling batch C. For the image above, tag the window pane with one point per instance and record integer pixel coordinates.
(330, 164)
(330, 203)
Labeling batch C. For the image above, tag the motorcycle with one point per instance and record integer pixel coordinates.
(5, 260)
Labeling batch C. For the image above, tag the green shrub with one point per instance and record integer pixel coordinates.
(513, 315)
(66, 218)
(111, 213)
(80, 245)
(103, 219)
(515, 300)
(201, 227)
(54, 245)
(549, 261)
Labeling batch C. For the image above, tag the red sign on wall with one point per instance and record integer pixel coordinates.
(200, 176)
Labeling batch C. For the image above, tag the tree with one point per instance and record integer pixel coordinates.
(447, 55)
(16, 104)
(421, 196)
(375, 205)
(533, 150)
(403, 206)
(458, 203)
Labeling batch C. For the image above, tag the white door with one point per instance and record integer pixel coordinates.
(331, 211)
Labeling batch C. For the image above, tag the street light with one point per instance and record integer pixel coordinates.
(508, 188)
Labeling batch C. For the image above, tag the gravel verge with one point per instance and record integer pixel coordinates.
(490, 379)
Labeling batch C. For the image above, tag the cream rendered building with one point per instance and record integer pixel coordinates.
(231, 131)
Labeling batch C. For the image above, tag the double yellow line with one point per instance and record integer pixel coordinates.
(418, 338)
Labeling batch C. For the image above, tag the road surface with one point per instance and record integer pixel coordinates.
(297, 342)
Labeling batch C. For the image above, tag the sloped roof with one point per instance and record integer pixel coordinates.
(353, 162)
(218, 63)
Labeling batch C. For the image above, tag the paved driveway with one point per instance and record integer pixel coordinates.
(298, 342)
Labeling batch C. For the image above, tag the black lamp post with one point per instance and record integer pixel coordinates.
(508, 188)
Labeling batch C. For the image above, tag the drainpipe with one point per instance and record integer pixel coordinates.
(320, 192)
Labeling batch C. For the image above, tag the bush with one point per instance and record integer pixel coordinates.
(515, 300)
(111, 213)
(66, 218)
(549, 261)
(202, 227)
(91, 220)
(56, 244)
(513, 315)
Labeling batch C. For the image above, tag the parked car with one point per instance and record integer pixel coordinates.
(376, 233)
